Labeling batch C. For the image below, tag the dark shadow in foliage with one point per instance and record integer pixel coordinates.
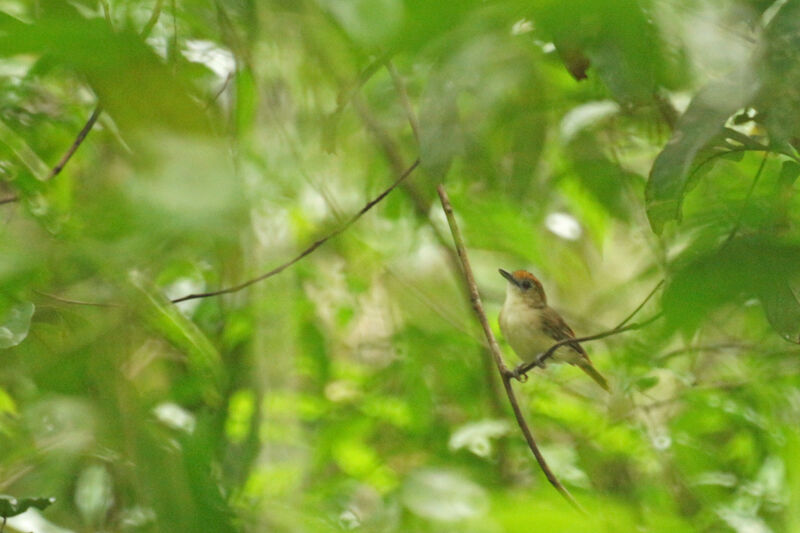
(746, 268)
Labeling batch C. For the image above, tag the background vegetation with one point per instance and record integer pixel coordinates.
(606, 146)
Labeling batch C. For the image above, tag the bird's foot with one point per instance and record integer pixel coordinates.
(519, 373)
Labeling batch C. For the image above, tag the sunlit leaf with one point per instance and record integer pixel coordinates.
(16, 323)
(94, 493)
(477, 436)
(443, 495)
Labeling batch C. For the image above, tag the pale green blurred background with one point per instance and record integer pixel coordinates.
(353, 391)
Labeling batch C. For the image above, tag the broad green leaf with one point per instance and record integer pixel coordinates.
(369, 22)
(783, 310)
(441, 136)
(699, 125)
(165, 318)
(779, 68)
(747, 267)
(790, 171)
(126, 75)
(485, 82)
(617, 40)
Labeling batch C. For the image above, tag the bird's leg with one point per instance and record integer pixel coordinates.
(520, 372)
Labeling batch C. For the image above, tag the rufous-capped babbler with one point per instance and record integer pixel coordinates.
(531, 327)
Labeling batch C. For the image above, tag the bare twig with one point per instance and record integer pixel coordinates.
(221, 90)
(753, 184)
(505, 374)
(539, 361)
(347, 93)
(76, 143)
(56, 170)
(400, 87)
(75, 302)
(703, 348)
(151, 22)
(308, 250)
(641, 305)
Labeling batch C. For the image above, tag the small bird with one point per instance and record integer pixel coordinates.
(531, 326)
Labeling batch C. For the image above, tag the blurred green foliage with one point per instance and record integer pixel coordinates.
(603, 145)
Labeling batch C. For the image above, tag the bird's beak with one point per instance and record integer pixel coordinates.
(508, 276)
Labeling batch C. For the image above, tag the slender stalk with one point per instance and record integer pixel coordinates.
(753, 184)
(505, 374)
(308, 250)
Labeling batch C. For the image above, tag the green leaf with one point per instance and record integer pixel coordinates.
(7, 404)
(23, 152)
(368, 22)
(123, 71)
(783, 310)
(647, 382)
(751, 267)
(617, 40)
(10, 506)
(698, 126)
(790, 170)
(15, 324)
(779, 69)
(166, 318)
(441, 135)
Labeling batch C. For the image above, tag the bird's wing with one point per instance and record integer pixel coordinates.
(556, 328)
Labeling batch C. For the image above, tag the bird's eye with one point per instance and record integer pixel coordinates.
(526, 284)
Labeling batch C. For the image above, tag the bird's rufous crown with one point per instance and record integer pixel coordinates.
(524, 274)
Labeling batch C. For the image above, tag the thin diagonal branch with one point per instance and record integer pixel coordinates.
(151, 22)
(75, 302)
(505, 373)
(753, 184)
(639, 308)
(308, 250)
(56, 170)
(400, 87)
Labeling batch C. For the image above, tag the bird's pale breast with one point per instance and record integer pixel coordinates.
(521, 325)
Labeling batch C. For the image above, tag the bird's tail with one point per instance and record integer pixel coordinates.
(587, 367)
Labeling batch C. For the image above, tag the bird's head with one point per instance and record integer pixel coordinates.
(524, 285)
